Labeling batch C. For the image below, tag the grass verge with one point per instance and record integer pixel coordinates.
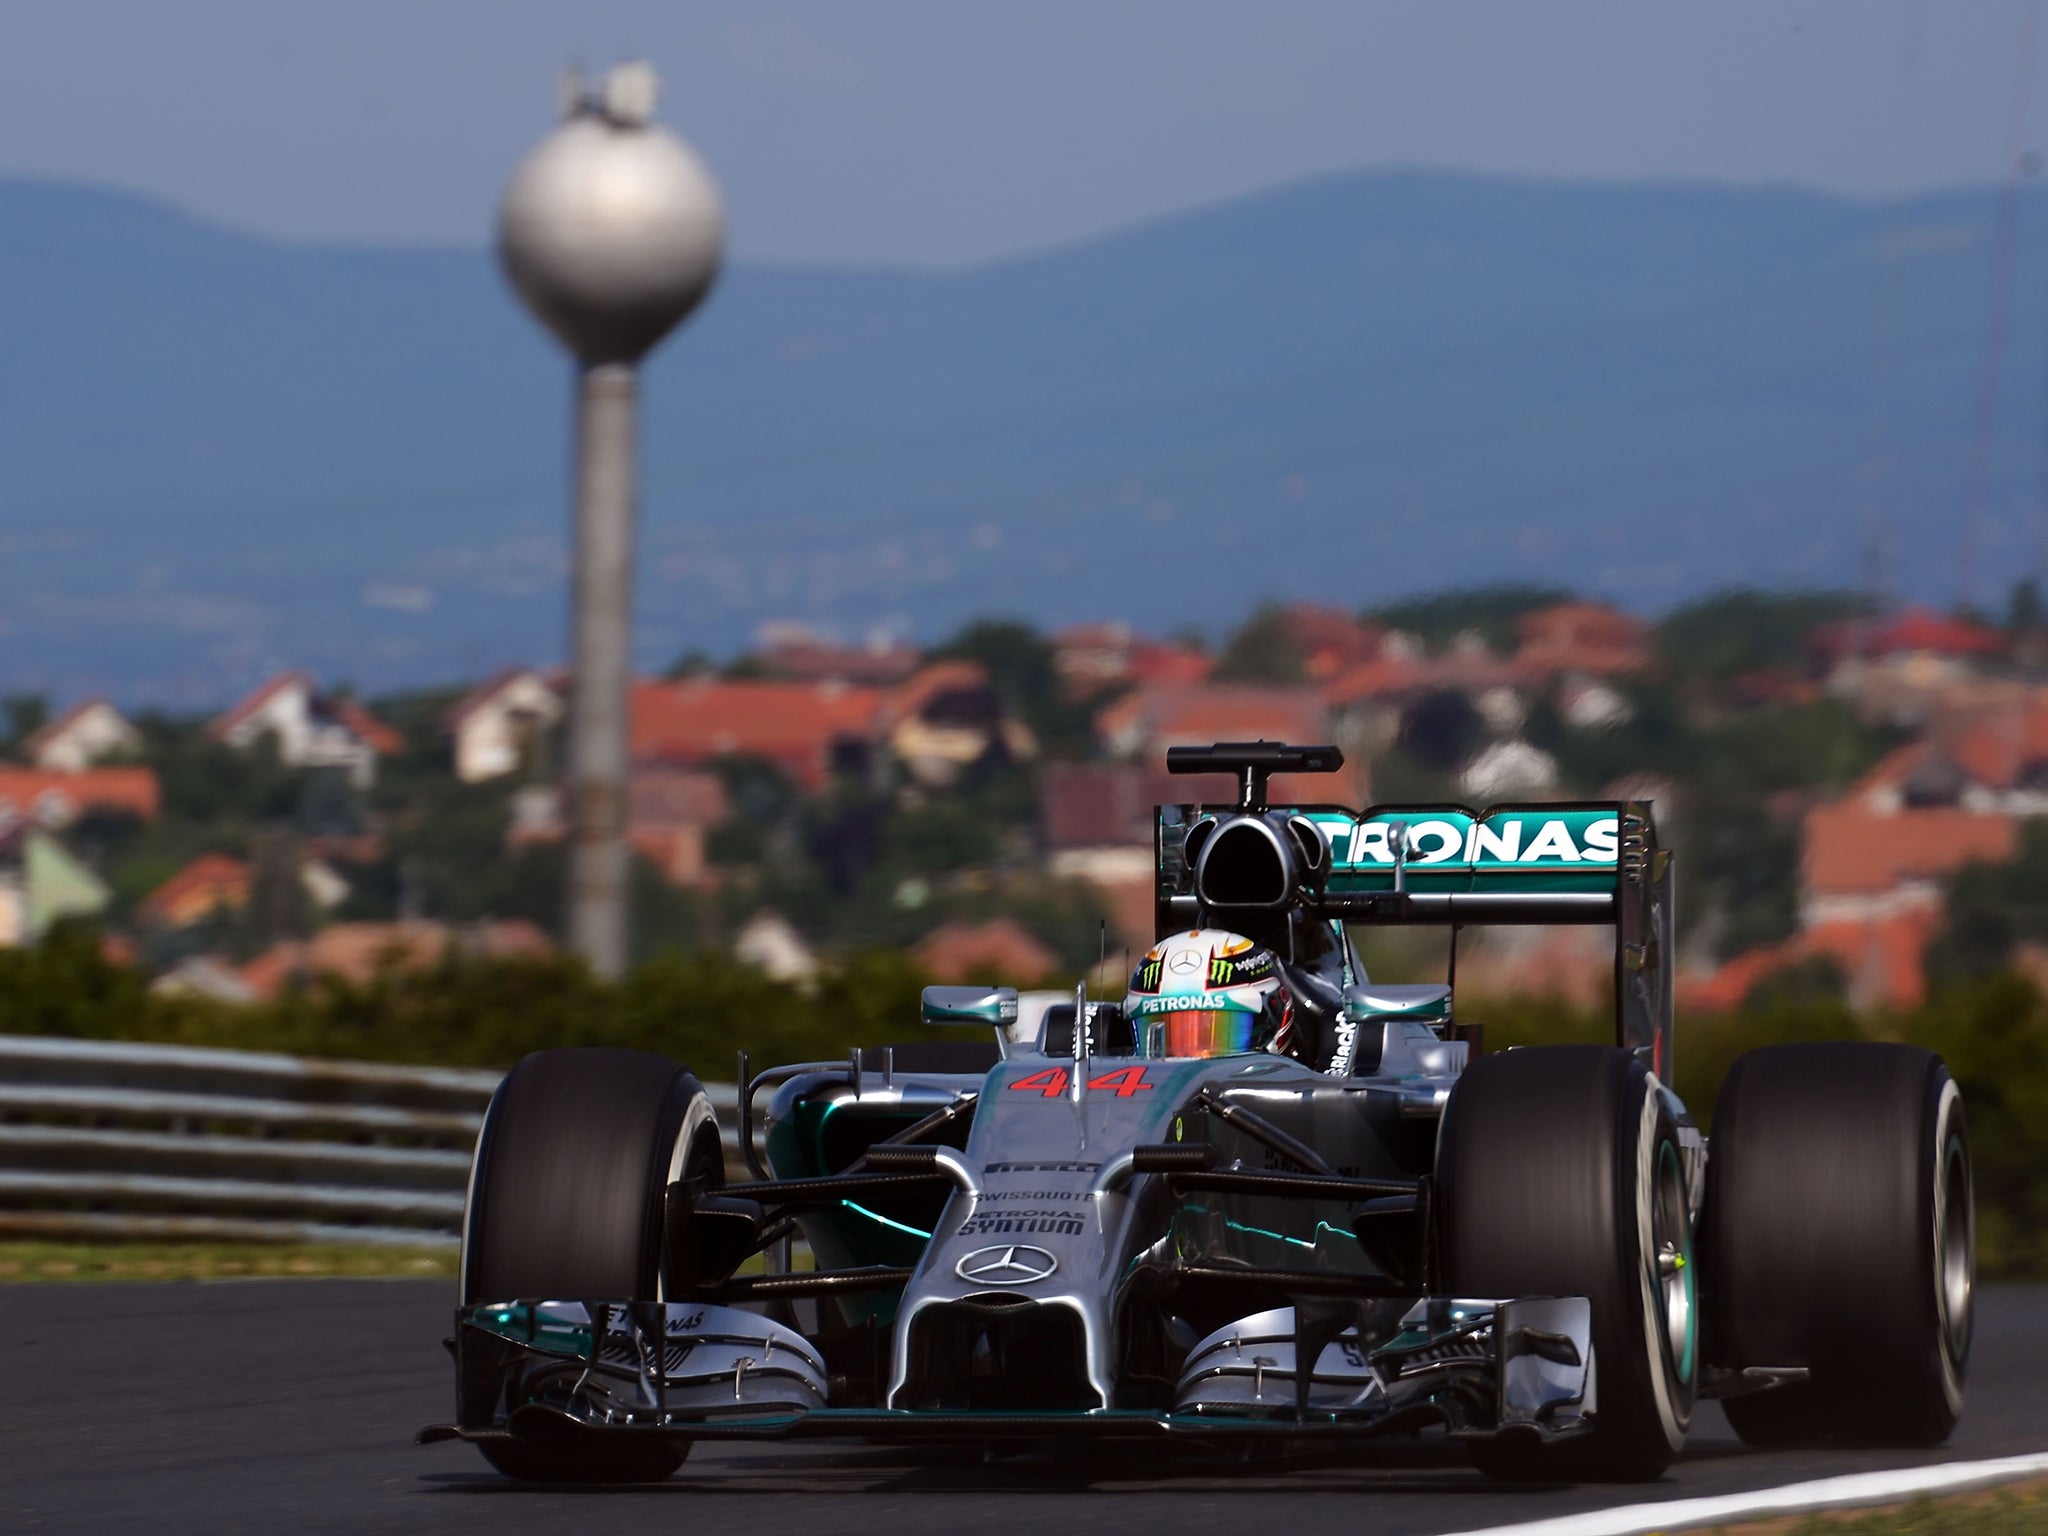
(72, 1263)
(2018, 1510)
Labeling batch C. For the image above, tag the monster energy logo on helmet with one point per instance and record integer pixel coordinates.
(1237, 970)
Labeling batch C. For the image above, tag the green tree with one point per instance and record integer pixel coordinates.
(1738, 630)
(203, 780)
(1815, 980)
(1021, 670)
(2023, 607)
(1990, 909)
(329, 805)
(419, 717)
(278, 905)
(24, 714)
(1441, 730)
(1261, 650)
(1437, 618)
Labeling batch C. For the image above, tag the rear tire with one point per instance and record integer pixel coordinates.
(1559, 1174)
(565, 1203)
(1839, 1236)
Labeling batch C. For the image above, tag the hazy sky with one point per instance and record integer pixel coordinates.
(947, 131)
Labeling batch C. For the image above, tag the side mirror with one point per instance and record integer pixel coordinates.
(1426, 1001)
(995, 1007)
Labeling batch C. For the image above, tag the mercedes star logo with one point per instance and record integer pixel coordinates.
(1184, 963)
(1013, 1264)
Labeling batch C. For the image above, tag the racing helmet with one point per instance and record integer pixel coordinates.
(1208, 993)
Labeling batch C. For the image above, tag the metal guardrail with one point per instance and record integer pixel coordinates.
(107, 1139)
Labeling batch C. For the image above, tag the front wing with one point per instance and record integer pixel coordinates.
(1480, 1368)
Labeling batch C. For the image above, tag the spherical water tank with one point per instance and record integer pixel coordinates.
(611, 232)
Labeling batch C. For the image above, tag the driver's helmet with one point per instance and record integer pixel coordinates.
(1208, 993)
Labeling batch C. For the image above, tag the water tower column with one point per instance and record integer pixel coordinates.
(601, 630)
(611, 233)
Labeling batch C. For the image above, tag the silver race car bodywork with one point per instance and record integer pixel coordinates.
(1076, 1235)
(1088, 1238)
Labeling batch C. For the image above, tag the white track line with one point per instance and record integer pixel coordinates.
(1861, 1488)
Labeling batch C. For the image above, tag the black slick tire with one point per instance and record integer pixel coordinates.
(565, 1202)
(1559, 1173)
(1838, 1237)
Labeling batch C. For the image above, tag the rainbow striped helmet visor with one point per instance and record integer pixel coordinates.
(1201, 1032)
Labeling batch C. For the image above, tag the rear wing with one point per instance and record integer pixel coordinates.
(1556, 863)
(1544, 863)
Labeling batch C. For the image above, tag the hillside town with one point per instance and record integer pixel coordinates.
(986, 805)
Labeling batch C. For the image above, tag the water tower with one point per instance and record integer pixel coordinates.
(611, 232)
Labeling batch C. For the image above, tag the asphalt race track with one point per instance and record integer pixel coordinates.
(290, 1406)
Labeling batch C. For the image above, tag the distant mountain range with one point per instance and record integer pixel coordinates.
(220, 454)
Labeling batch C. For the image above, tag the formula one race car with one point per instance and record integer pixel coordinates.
(1265, 1201)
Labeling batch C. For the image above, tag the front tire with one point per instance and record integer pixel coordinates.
(565, 1202)
(1559, 1173)
(1839, 1236)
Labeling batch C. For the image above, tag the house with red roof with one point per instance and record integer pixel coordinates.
(1095, 824)
(1001, 948)
(504, 724)
(358, 953)
(1369, 701)
(811, 731)
(213, 884)
(796, 653)
(1871, 894)
(1578, 638)
(670, 812)
(1162, 663)
(1909, 667)
(946, 717)
(1094, 658)
(1330, 640)
(312, 729)
(1926, 632)
(1384, 680)
(1875, 865)
(1095, 820)
(936, 722)
(53, 800)
(85, 734)
(1989, 757)
(1857, 865)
